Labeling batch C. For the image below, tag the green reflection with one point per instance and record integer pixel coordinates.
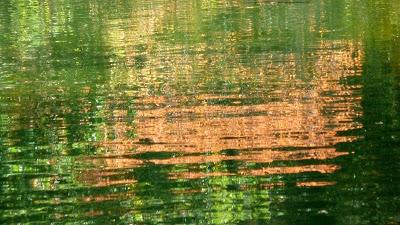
(199, 112)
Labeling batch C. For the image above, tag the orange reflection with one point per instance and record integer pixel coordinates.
(305, 115)
(256, 156)
(259, 172)
(306, 108)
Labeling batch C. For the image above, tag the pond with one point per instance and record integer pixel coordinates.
(200, 112)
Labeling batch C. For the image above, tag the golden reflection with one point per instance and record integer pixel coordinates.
(212, 128)
(308, 114)
(264, 156)
(293, 99)
(303, 117)
(101, 177)
(315, 183)
(322, 168)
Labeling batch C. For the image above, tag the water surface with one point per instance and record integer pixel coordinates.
(200, 112)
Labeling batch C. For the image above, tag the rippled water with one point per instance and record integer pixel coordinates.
(199, 112)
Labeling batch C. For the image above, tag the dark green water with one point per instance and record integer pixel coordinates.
(200, 112)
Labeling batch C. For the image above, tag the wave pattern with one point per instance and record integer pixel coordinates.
(198, 112)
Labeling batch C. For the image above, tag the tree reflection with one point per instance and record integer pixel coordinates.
(199, 112)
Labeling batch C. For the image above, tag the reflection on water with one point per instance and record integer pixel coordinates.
(199, 112)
